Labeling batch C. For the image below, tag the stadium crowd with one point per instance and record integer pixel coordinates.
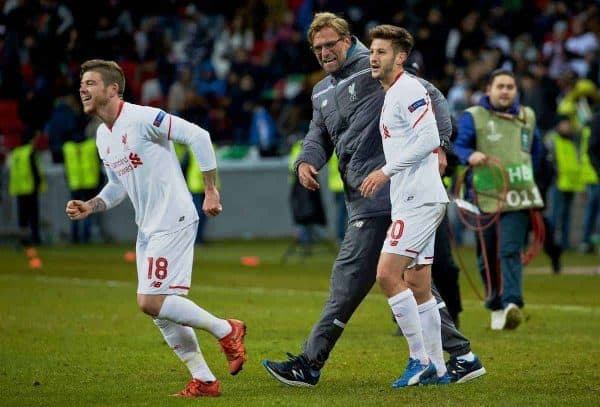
(243, 70)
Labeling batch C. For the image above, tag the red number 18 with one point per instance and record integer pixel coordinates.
(161, 268)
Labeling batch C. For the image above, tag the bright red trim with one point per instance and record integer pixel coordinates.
(121, 103)
(397, 77)
(412, 251)
(179, 286)
(428, 258)
(420, 117)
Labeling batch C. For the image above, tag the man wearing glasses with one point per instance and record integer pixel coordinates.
(346, 108)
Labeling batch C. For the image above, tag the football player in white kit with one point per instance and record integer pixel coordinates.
(135, 144)
(410, 141)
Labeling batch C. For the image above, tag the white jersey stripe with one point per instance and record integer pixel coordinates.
(354, 75)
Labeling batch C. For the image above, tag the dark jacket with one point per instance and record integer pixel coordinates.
(346, 109)
(594, 143)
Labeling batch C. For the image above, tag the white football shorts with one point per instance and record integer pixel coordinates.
(164, 261)
(414, 234)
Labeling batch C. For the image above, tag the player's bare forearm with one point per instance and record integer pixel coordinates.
(96, 205)
(212, 202)
(77, 210)
(210, 179)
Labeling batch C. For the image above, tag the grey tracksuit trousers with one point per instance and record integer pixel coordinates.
(353, 275)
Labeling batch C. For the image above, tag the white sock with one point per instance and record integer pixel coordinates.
(182, 339)
(469, 357)
(185, 312)
(404, 307)
(432, 326)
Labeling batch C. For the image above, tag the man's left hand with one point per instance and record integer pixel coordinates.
(372, 183)
(443, 161)
(212, 203)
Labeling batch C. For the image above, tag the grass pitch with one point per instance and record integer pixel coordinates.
(71, 334)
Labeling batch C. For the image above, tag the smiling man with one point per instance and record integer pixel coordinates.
(135, 144)
(346, 108)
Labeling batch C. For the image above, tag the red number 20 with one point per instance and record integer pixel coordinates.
(160, 270)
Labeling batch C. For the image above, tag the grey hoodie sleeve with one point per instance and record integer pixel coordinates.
(317, 146)
(441, 112)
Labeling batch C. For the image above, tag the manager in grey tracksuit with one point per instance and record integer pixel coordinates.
(346, 108)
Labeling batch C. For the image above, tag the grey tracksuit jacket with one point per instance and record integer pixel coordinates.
(346, 109)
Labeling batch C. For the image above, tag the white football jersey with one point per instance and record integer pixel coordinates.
(139, 153)
(410, 140)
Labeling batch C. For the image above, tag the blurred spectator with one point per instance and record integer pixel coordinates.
(241, 105)
(577, 99)
(263, 130)
(465, 41)
(581, 45)
(594, 146)
(554, 51)
(27, 180)
(590, 179)
(83, 174)
(563, 145)
(177, 99)
(236, 34)
(307, 207)
(66, 122)
(336, 186)
(428, 39)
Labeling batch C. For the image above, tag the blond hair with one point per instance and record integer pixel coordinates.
(110, 72)
(401, 39)
(326, 19)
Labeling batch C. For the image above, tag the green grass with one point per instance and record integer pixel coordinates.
(71, 335)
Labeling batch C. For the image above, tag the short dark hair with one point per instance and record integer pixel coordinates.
(401, 39)
(110, 71)
(498, 72)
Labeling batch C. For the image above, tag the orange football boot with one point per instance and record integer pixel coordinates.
(233, 346)
(198, 388)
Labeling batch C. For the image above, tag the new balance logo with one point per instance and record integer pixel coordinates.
(298, 374)
(135, 160)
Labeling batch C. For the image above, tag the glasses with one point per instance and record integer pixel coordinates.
(328, 45)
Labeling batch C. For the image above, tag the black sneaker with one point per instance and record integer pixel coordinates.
(294, 372)
(461, 371)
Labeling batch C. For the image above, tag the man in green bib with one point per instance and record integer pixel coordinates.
(500, 127)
